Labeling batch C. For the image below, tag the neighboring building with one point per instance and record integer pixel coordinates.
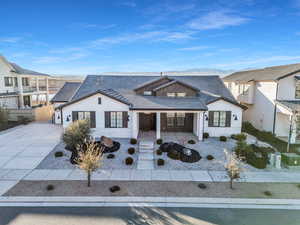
(123, 106)
(272, 96)
(21, 88)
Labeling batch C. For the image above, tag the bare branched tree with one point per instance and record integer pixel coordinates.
(89, 157)
(233, 166)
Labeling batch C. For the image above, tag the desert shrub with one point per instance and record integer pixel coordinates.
(173, 154)
(76, 133)
(129, 161)
(158, 152)
(58, 154)
(114, 188)
(3, 118)
(205, 135)
(131, 151)
(223, 138)
(210, 157)
(133, 141)
(110, 156)
(202, 186)
(159, 141)
(239, 137)
(191, 142)
(160, 162)
(268, 193)
(298, 185)
(50, 187)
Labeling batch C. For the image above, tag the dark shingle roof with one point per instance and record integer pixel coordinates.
(20, 70)
(66, 92)
(268, 73)
(122, 89)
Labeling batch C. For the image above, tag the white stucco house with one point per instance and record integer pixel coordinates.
(125, 106)
(272, 97)
(21, 88)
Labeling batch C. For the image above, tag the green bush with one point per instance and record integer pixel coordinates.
(202, 186)
(129, 161)
(223, 138)
(110, 156)
(3, 118)
(133, 141)
(159, 141)
(269, 138)
(158, 152)
(50, 187)
(58, 154)
(131, 151)
(205, 135)
(76, 133)
(160, 162)
(191, 142)
(268, 193)
(210, 157)
(239, 137)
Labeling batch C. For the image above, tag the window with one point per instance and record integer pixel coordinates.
(16, 81)
(297, 92)
(170, 119)
(230, 85)
(99, 101)
(85, 115)
(243, 89)
(219, 119)
(147, 92)
(180, 117)
(116, 119)
(25, 81)
(172, 94)
(8, 81)
(181, 94)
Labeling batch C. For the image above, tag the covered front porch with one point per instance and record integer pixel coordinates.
(149, 125)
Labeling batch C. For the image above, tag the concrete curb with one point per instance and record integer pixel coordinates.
(150, 201)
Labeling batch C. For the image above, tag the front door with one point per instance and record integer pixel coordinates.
(147, 122)
(26, 100)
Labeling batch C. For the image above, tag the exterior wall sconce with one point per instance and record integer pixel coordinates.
(235, 117)
(68, 118)
(58, 117)
(206, 117)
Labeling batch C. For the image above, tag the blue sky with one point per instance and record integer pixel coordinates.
(88, 37)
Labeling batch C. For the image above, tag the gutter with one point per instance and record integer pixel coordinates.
(275, 110)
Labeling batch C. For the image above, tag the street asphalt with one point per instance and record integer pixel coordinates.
(144, 215)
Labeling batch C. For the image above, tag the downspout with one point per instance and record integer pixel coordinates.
(203, 125)
(275, 110)
(61, 117)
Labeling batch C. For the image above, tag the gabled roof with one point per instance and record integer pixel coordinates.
(151, 82)
(293, 105)
(66, 93)
(174, 82)
(266, 74)
(122, 88)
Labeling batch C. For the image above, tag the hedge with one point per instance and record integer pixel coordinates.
(268, 137)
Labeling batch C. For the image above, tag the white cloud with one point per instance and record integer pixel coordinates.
(10, 39)
(216, 20)
(131, 4)
(153, 36)
(92, 26)
(59, 59)
(193, 48)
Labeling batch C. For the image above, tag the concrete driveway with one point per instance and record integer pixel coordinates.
(24, 147)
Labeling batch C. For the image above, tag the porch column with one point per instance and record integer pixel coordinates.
(200, 125)
(37, 84)
(47, 91)
(20, 90)
(135, 125)
(158, 125)
(293, 129)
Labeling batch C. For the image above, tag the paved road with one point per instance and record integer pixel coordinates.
(153, 216)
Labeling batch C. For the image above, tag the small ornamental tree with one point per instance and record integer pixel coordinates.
(76, 134)
(89, 158)
(233, 166)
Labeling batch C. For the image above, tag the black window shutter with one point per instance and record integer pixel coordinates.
(125, 119)
(93, 119)
(99, 100)
(107, 119)
(228, 119)
(211, 118)
(74, 116)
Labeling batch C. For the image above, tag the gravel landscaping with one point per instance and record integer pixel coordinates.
(118, 162)
(156, 188)
(210, 146)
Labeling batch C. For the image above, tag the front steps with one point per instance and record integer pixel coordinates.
(145, 158)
